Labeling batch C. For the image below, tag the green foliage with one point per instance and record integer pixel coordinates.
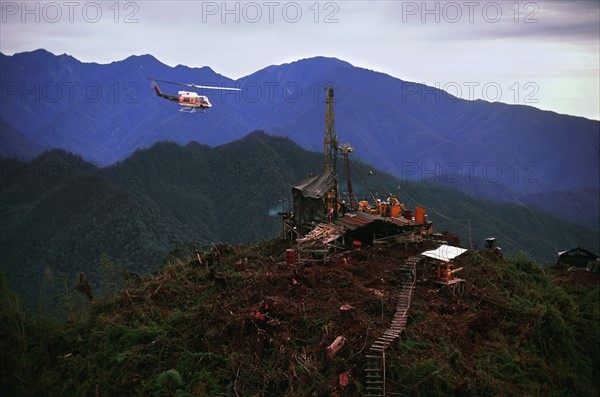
(205, 382)
(422, 378)
(180, 253)
(414, 346)
(73, 306)
(543, 336)
(111, 276)
(28, 347)
(169, 380)
(313, 324)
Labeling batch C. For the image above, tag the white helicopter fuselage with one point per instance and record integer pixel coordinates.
(190, 99)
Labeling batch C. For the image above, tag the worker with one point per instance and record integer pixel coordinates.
(382, 208)
(363, 206)
(386, 209)
(393, 201)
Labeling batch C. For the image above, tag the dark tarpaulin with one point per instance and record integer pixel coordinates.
(309, 195)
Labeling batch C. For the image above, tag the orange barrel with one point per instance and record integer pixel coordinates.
(420, 214)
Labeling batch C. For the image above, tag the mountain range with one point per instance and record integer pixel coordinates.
(512, 153)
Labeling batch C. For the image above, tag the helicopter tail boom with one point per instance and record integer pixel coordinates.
(173, 98)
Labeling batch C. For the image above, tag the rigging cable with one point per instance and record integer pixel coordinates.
(379, 183)
(468, 220)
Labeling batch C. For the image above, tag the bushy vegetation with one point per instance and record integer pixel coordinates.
(519, 329)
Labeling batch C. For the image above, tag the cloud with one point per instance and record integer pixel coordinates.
(423, 41)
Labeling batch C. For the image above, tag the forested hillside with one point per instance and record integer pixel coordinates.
(62, 215)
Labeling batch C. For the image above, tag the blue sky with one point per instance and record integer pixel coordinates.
(539, 53)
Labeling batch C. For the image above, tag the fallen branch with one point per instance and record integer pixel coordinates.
(157, 288)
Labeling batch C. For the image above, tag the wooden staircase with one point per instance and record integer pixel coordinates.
(375, 365)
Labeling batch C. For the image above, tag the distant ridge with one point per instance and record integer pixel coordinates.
(106, 112)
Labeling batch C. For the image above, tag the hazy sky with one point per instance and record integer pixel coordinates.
(539, 53)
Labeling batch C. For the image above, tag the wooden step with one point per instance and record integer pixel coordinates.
(374, 382)
(393, 335)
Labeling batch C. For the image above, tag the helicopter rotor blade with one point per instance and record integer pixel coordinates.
(215, 88)
(172, 82)
(196, 85)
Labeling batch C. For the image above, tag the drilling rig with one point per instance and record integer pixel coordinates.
(330, 148)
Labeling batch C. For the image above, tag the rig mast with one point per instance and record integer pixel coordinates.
(330, 148)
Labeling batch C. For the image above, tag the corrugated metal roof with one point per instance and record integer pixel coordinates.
(445, 252)
(355, 220)
(577, 251)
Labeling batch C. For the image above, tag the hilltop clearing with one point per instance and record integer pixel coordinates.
(188, 331)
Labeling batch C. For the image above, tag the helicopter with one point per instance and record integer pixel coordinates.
(189, 100)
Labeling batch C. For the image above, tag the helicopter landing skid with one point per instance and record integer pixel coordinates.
(190, 110)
